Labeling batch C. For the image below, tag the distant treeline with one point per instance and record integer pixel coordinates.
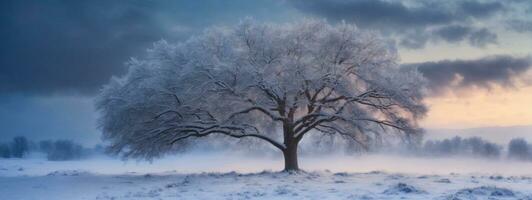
(55, 150)
(473, 146)
(517, 148)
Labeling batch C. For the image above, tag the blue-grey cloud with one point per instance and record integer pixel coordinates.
(483, 37)
(480, 9)
(522, 26)
(453, 33)
(382, 14)
(414, 39)
(52, 46)
(377, 13)
(483, 72)
(63, 46)
(400, 18)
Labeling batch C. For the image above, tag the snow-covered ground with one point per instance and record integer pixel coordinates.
(210, 176)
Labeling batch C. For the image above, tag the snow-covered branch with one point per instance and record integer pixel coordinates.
(254, 79)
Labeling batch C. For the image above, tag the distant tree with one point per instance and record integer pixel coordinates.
(474, 146)
(65, 150)
(491, 150)
(429, 146)
(445, 147)
(32, 146)
(19, 147)
(456, 145)
(275, 83)
(518, 148)
(46, 146)
(5, 152)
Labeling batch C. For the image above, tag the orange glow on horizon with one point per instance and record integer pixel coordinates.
(480, 108)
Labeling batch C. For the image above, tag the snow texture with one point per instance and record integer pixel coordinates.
(93, 179)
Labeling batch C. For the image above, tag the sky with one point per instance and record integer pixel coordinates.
(57, 54)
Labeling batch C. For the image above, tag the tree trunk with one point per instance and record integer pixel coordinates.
(290, 142)
(290, 157)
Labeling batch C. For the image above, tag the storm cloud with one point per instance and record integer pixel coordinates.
(377, 14)
(413, 23)
(518, 25)
(68, 45)
(453, 33)
(484, 72)
(382, 14)
(62, 46)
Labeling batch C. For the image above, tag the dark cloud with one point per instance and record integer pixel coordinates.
(377, 13)
(481, 9)
(457, 33)
(69, 45)
(400, 18)
(415, 39)
(453, 33)
(63, 46)
(482, 38)
(521, 26)
(382, 14)
(483, 72)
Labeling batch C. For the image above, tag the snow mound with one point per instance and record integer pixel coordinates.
(483, 191)
(443, 180)
(68, 173)
(498, 177)
(343, 174)
(403, 188)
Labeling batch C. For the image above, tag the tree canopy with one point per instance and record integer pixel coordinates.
(272, 82)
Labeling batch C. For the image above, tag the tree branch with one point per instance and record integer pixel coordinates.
(225, 130)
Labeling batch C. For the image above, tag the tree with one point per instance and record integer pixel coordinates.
(5, 152)
(275, 83)
(46, 146)
(491, 150)
(60, 150)
(473, 146)
(518, 148)
(65, 150)
(19, 147)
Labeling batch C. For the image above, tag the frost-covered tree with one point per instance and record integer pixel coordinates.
(269, 82)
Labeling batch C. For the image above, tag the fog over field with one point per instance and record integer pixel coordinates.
(499, 135)
(198, 162)
(326, 177)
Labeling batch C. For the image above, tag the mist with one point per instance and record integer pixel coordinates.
(198, 162)
(433, 156)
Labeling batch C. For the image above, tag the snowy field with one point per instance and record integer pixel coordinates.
(211, 176)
